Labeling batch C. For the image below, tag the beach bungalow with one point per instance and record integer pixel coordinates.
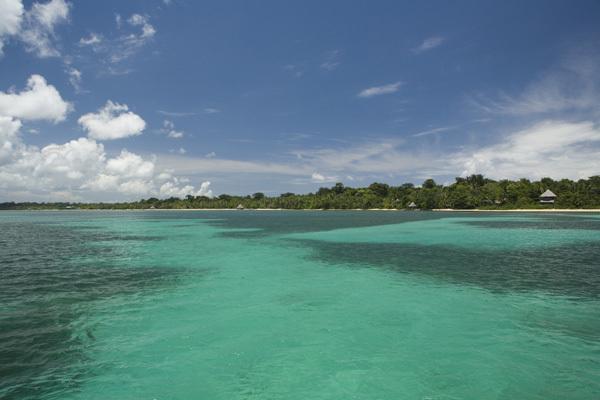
(547, 197)
(412, 206)
(240, 207)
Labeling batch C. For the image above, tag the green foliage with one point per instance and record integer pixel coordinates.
(471, 192)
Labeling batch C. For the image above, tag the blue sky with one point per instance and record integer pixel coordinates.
(120, 100)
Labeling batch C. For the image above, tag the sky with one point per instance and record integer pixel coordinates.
(113, 100)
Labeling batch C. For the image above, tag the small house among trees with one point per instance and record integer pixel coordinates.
(547, 197)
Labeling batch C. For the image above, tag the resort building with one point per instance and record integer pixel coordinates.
(240, 207)
(412, 205)
(547, 197)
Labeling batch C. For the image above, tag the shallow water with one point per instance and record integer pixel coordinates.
(297, 305)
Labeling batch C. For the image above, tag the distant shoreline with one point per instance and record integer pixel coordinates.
(517, 210)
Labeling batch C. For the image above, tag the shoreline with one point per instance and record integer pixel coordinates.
(516, 210)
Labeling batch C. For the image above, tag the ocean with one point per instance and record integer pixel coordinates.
(299, 305)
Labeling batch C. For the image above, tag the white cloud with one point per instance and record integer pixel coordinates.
(134, 33)
(130, 165)
(80, 168)
(210, 110)
(170, 189)
(549, 148)
(205, 190)
(113, 121)
(129, 44)
(429, 43)
(212, 154)
(571, 85)
(319, 178)
(39, 23)
(169, 130)
(38, 101)
(72, 161)
(135, 187)
(11, 15)
(9, 128)
(91, 40)
(379, 90)
(75, 78)
(139, 20)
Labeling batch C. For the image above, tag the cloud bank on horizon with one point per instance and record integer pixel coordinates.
(94, 97)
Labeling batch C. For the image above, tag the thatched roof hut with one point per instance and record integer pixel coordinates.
(412, 205)
(547, 197)
(240, 207)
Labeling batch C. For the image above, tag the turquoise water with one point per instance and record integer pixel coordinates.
(299, 305)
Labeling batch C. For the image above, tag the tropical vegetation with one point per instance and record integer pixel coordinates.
(471, 192)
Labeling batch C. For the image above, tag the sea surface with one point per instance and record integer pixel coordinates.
(299, 305)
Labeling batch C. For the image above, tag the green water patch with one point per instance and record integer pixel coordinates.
(282, 222)
(461, 232)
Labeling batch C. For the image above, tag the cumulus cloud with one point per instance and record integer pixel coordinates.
(130, 165)
(319, 178)
(39, 23)
(428, 44)
(9, 128)
(113, 121)
(73, 161)
(38, 101)
(82, 169)
(11, 15)
(79, 168)
(379, 90)
(171, 189)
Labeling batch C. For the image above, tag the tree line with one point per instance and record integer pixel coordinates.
(471, 192)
